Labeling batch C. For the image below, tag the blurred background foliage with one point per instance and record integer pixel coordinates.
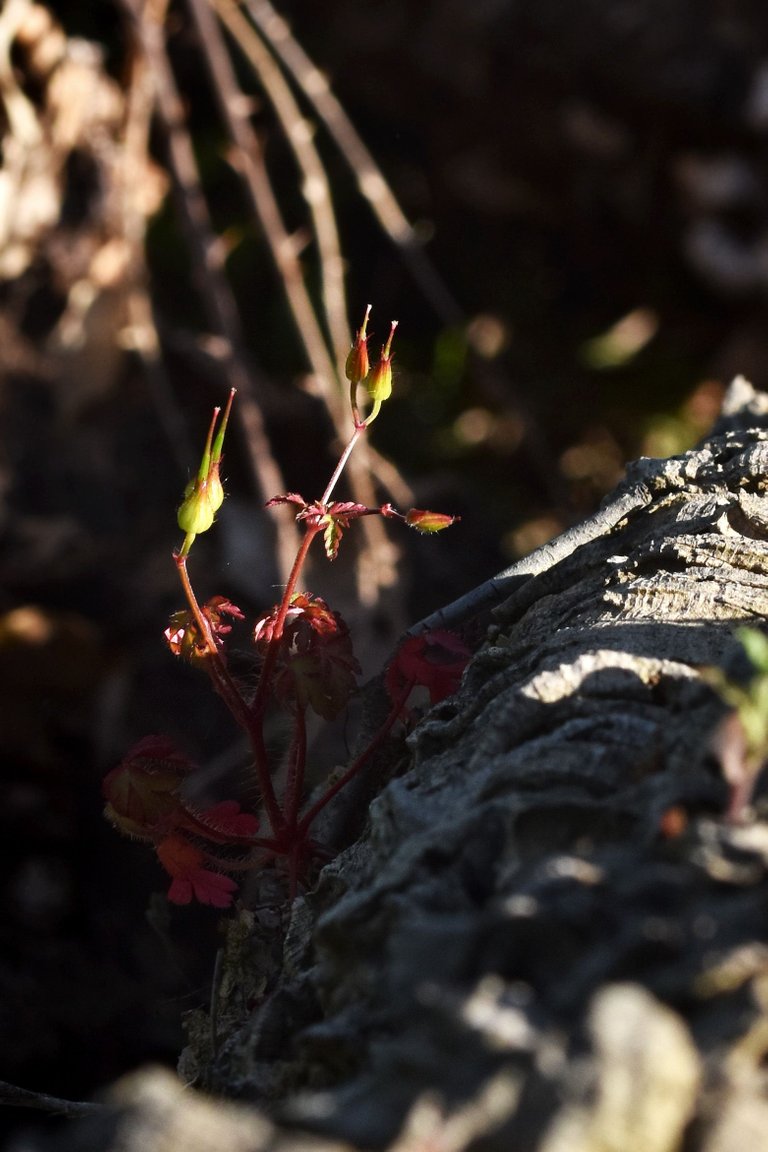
(575, 245)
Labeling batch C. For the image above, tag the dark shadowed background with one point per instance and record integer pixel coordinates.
(588, 181)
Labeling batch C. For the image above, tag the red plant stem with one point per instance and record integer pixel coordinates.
(294, 864)
(294, 786)
(259, 700)
(308, 817)
(311, 530)
(203, 624)
(227, 689)
(252, 718)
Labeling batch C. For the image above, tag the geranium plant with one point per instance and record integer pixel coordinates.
(307, 664)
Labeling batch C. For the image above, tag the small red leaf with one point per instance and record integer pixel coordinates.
(433, 660)
(184, 863)
(142, 792)
(183, 635)
(227, 817)
(316, 666)
(347, 510)
(216, 609)
(289, 498)
(336, 517)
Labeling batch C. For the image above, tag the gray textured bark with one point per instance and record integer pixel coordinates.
(516, 954)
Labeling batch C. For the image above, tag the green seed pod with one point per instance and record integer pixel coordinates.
(196, 513)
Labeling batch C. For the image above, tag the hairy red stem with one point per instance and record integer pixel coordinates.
(259, 700)
(228, 690)
(294, 787)
(356, 765)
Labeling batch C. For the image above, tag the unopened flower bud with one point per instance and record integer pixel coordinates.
(379, 380)
(357, 365)
(215, 488)
(429, 522)
(204, 495)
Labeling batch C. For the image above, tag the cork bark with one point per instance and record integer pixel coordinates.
(524, 949)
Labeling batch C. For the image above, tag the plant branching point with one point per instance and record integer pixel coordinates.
(307, 665)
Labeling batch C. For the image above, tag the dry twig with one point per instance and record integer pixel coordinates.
(370, 179)
(315, 187)
(208, 256)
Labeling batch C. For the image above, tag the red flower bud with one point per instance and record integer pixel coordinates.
(357, 366)
(429, 521)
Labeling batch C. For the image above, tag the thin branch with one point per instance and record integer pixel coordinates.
(208, 257)
(213, 1011)
(315, 187)
(294, 786)
(140, 333)
(370, 179)
(205, 245)
(343, 460)
(11, 1096)
(398, 489)
(265, 676)
(230, 694)
(248, 159)
(393, 716)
